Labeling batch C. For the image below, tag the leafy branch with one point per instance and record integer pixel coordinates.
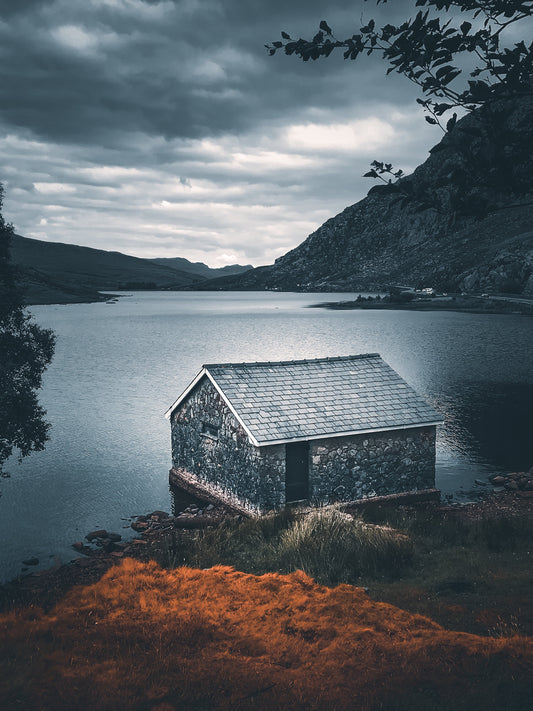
(427, 48)
(379, 170)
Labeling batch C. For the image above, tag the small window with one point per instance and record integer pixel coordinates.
(209, 430)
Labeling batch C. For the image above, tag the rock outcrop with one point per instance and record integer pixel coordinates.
(463, 221)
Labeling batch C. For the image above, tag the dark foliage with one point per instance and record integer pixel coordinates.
(25, 351)
(424, 48)
(432, 50)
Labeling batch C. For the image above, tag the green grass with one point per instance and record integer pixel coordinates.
(327, 544)
(334, 548)
(474, 576)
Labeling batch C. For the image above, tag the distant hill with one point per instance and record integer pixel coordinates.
(200, 268)
(53, 272)
(467, 224)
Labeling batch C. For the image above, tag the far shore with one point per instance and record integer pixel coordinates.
(466, 304)
(461, 303)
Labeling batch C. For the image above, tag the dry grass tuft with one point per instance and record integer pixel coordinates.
(333, 547)
(148, 638)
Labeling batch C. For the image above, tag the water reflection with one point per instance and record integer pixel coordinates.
(491, 422)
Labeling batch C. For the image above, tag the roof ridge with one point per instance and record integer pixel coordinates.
(292, 362)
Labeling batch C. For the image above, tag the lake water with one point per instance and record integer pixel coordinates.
(118, 367)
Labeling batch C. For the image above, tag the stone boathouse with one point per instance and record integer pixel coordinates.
(261, 435)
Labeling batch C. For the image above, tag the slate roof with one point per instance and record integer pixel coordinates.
(312, 399)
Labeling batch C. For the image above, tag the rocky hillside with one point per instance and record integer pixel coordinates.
(462, 221)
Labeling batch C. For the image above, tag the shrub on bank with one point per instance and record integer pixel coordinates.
(325, 543)
(333, 547)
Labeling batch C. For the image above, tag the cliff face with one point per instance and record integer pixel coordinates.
(372, 245)
(462, 221)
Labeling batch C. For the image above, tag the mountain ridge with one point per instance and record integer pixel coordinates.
(462, 221)
(200, 268)
(56, 272)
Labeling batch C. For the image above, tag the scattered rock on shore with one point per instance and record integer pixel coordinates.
(101, 533)
(31, 561)
(521, 482)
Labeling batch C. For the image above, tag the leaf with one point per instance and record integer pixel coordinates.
(431, 120)
(439, 109)
(325, 27)
(285, 36)
(466, 27)
(451, 76)
(443, 71)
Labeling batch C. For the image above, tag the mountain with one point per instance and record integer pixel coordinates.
(201, 269)
(462, 221)
(53, 272)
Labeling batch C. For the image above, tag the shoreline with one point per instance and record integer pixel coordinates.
(457, 304)
(154, 533)
(469, 304)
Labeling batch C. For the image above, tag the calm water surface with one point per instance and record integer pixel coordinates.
(119, 366)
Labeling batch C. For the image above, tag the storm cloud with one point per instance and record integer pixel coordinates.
(163, 128)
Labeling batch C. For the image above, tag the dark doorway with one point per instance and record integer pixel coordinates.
(297, 471)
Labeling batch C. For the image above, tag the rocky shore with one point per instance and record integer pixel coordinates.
(516, 481)
(510, 495)
(102, 549)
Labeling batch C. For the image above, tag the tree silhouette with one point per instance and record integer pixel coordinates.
(25, 351)
(427, 50)
(425, 47)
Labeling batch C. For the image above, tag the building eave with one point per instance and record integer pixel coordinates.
(331, 435)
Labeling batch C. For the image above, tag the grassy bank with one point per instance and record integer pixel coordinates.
(472, 575)
(148, 638)
(185, 630)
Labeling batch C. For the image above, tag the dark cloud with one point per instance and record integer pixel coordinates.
(20, 7)
(150, 126)
(85, 72)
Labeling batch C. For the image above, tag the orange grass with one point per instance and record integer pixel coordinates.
(148, 638)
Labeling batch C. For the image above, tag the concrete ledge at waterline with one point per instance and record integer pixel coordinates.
(183, 479)
(192, 485)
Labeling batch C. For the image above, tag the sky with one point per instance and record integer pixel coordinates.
(162, 128)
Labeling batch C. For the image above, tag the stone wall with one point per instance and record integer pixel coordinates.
(252, 477)
(355, 467)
